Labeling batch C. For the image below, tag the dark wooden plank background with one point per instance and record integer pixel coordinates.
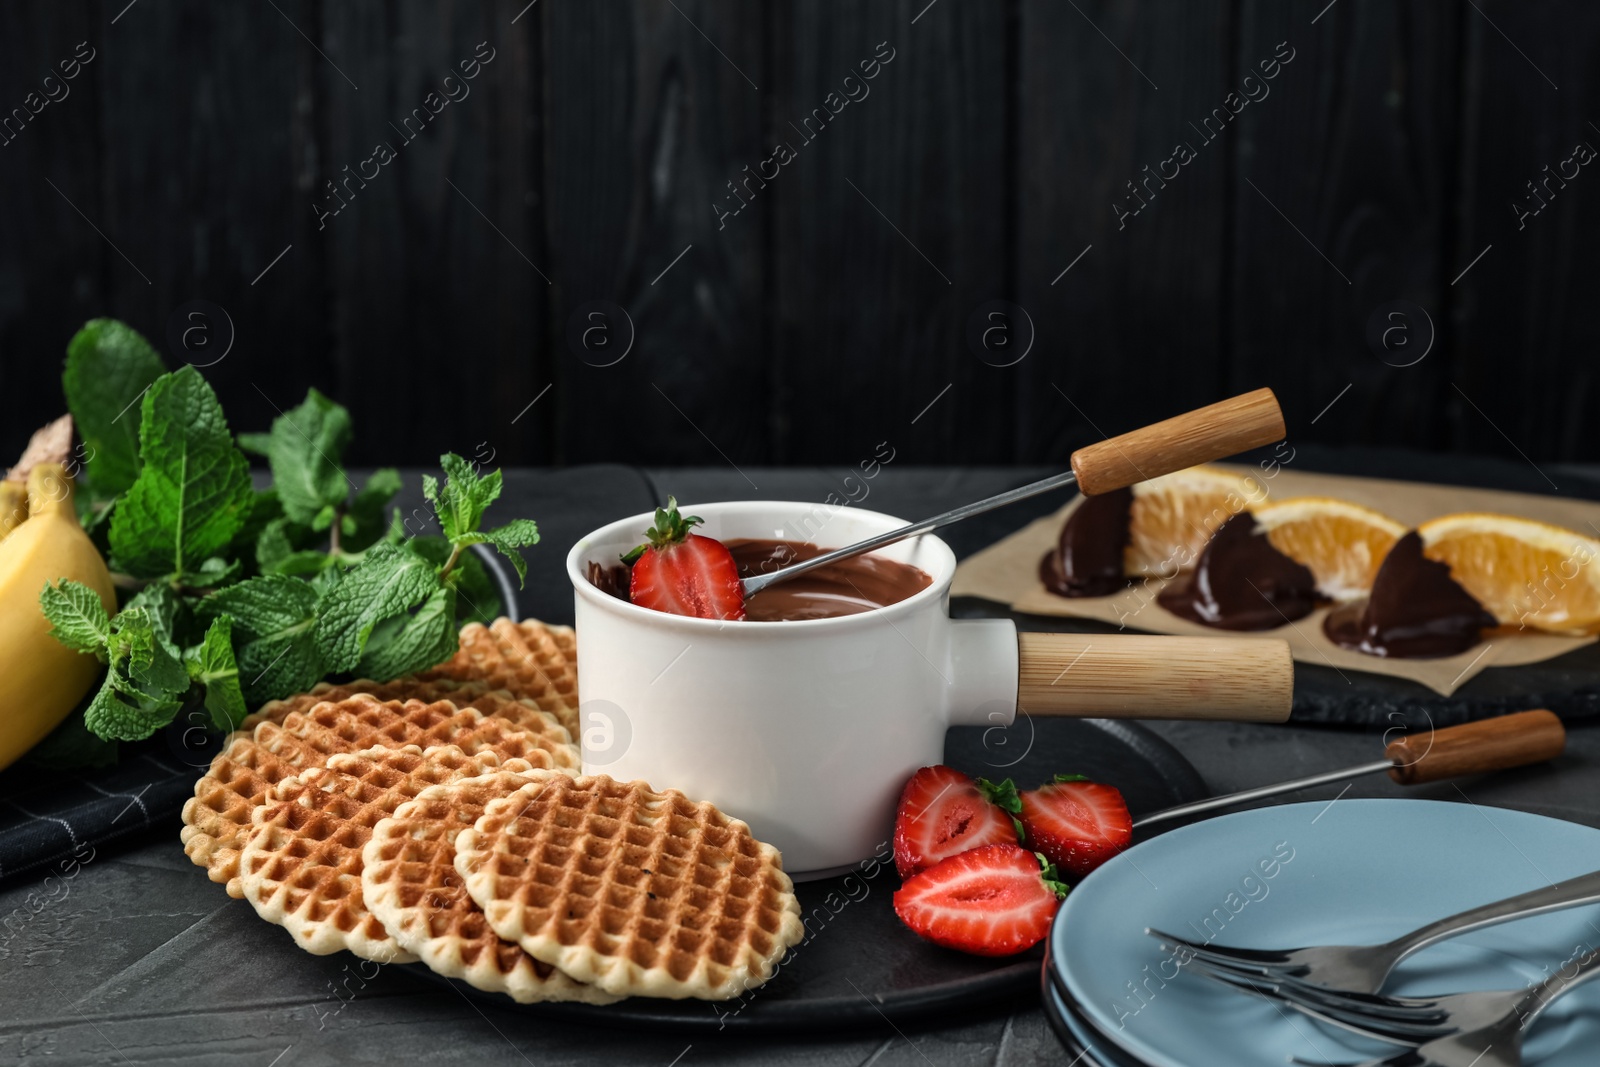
(595, 167)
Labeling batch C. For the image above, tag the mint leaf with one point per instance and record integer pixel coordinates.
(413, 642)
(366, 522)
(141, 662)
(388, 582)
(144, 684)
(274, 634)
(77, 617)
(276, 552)
(108, 366)
(213, 665)
(304, 450)
(257, 444)
(263, 607)
(111, 716)
(264, 509)
(193, 490)
(166, 610)
(518, 533)
(274, 545)
(477, 596)
(216, 572)
(461, 502)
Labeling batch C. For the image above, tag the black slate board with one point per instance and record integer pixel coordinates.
(859, 964)
(1568, 685)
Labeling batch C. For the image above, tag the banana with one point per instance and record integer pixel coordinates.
(41, 680)
(13, 506)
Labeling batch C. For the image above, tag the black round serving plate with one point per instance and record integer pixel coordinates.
(858, 963)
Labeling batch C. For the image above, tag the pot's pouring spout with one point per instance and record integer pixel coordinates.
(1216, 431)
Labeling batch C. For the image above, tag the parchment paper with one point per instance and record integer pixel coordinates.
(1007, 571)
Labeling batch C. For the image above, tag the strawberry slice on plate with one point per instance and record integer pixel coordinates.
(683, 573)
(943, 812)
(996, 900)
(1076, 823)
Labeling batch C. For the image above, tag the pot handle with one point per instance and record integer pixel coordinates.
(1140, 676)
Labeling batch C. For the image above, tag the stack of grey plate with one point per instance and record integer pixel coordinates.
(1352, 872)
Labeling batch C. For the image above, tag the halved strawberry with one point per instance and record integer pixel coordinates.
(996, 900)
(1077, 823)
(683, 573)
(943, 812)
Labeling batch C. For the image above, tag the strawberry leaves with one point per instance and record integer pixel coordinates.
(671, 528)
(1051, 877)
(1005, 797)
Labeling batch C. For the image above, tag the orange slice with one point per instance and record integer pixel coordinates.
(1175, 515)
(1342, 543)
(1526, 573)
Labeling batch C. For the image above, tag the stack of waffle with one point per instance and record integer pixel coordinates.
(441, 817)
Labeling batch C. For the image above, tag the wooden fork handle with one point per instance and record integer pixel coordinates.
(1216, 431)
(1475, 747)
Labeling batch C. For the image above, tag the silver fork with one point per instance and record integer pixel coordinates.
(1480, 1029)
(1364, 968)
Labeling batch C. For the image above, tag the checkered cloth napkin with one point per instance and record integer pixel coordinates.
(47, 817)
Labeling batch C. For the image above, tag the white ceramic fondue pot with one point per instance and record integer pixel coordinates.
(808, 730)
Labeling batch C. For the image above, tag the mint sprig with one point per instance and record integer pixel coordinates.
(273, 634)
(144, 685)
(301, 449)
(231, 595)
(193, 489)
(109, 366)
(77, 617)
(460, 504)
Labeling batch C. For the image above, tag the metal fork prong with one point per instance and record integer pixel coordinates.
(1400, 1007)
(1245, 956)
(1399, 1031)
(1292, 989)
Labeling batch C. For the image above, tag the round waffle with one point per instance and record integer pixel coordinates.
(218, 816)
(529, 660)
(300, 867)
(409, 882)
(466, 694)
(630, 890)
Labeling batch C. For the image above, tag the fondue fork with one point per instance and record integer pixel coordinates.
(1428, 756)
(1216, 431)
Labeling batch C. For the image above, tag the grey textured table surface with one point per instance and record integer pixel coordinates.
(139, 959)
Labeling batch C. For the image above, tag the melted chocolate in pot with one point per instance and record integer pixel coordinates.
(1415, 611)
(614, 579)
(1242, 582)
(847, 587)
(1087, 560)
